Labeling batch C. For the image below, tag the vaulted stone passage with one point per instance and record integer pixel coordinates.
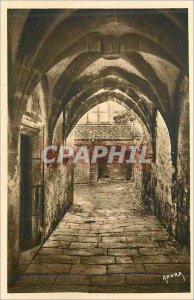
(65, 88)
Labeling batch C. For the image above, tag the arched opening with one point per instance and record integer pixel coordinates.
(107, 124)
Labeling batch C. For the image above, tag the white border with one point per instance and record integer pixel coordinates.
(78, 4)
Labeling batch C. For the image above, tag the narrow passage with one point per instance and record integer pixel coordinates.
(108, 242)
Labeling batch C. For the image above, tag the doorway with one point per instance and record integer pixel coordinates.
(32, 190)
(102, 169)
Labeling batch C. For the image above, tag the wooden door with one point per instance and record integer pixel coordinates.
(32, 189)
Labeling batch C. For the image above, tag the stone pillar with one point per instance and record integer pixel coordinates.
(13, 201)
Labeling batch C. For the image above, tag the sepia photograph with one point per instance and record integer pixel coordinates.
(98, 188)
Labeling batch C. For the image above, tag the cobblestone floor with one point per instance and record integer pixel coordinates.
(107, 242)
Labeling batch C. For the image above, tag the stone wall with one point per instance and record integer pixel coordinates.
(170, 199)
(33, 119)
(162, 172)
(13, 202)
(182, 185)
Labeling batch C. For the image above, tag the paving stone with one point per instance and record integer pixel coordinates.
(133, 228)
(114, 245)
(144, 278)
(56, 244)
(119, 239)
(73, 232)
(124, 259)
(72, 279)
(168, 244)
(123, 252)
(87, 233)
(89, 239)
(51, 251)
(180, 259)
(155, 235)
(51, 244)
(111, 230)
(70, 238)
(103, 260)
(83, 245)
(108, 280)
(59, 259)
(105, 234)
(88, 269)
(140, 243)
(159, 259)
(85, 252)
(125, 268)
(36, 279)
(64, 245)
(157, 251)
(47, 269)
(167, 268)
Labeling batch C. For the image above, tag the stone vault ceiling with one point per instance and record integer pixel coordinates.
(138, 56)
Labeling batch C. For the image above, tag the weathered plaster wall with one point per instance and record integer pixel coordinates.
(58, 185)
(158, 180)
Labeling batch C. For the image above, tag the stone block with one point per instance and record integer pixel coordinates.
(153, 259)
(36, 279)
(125, 268)
(124, 260)
(63, 238)
(51, 251)
(48, 269)
(88, 239)
(123, 252)
(71, 279)
(167, 268)
(114, 245)
(144, 244)
(101, 260)
(108, 280)
(83, 245)
(88, 269)
(85, 252)
(57, 259)
(119, 239)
